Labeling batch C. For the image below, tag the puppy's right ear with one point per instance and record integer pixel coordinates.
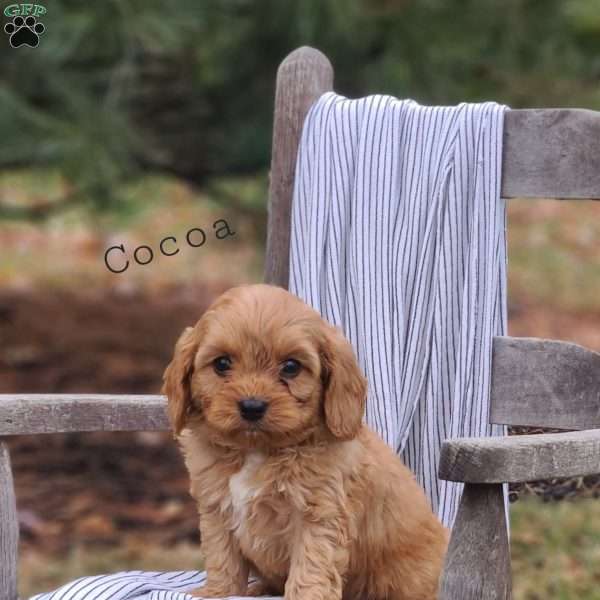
(176, 379)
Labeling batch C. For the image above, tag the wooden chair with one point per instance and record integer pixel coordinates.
(547, 154)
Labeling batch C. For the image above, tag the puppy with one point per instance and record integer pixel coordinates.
(267, 401)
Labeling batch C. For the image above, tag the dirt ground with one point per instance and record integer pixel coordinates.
(102, 488)
(105, 342)
(96, 487)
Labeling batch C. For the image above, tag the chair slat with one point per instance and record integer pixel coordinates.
(302, 77)
(58, 413)
(545, 383)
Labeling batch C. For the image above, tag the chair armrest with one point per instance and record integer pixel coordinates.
(519, 458)
(59, 413)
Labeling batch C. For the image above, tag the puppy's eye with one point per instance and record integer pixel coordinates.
(222, 364)
(290, 368)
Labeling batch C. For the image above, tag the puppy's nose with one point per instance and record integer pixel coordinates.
(252, 408)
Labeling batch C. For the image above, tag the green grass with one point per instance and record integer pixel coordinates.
(556, 550)
(555, 555)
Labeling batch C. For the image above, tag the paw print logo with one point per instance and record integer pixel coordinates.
(24, 32)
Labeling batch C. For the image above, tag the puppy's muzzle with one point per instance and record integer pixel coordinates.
(252, 408)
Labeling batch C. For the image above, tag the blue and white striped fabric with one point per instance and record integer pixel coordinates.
(398, 238)
(133, 585)
(141, 585)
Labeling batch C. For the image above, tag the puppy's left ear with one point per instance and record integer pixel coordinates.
(345, 386)
(176, 379)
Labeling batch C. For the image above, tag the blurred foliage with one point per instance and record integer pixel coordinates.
(120, 87)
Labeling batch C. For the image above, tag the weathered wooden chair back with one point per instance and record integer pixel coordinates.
(547, 154)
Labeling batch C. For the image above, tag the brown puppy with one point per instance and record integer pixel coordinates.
(267, 401)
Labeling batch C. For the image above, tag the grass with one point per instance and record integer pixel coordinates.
(556, 550)
(555, 555)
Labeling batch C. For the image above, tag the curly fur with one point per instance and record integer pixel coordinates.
(308, 499)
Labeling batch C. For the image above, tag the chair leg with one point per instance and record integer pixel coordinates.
(478, 561)
(9, 529)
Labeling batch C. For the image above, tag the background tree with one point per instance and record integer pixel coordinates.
(123, 87)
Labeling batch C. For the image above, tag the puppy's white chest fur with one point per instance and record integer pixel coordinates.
(243, 487)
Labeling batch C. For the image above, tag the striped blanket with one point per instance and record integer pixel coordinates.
(398, 237)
